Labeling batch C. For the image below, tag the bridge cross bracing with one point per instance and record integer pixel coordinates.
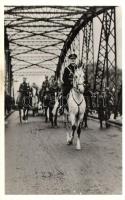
(40, 38)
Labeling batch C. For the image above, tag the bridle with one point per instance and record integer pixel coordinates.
(76, 88)
(78, 104)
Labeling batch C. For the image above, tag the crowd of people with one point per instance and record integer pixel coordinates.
(100, 101)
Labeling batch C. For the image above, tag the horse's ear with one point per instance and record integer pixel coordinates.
(83, 66)
(80, 64)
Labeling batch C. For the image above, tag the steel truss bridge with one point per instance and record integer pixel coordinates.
(38, 39)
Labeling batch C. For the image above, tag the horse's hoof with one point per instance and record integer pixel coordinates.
(78, 148)
(85, 127)
(69, 142)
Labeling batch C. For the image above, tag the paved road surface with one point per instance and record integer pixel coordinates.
(38, 161)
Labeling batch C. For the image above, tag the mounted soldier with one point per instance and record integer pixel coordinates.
(24, 88)
(23, 99)
(45, 85)
(68, 80)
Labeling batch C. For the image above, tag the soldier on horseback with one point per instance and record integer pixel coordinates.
(23, 100)
(24, 88)
(68, 81)
(46, 83)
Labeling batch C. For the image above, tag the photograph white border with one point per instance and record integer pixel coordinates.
(3, 196)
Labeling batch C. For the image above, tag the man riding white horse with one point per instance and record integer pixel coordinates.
(68, 80)
(73, 99)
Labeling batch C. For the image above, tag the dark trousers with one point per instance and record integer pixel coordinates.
(66, 90)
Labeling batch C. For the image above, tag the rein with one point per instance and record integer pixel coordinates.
(76, 89)
(78, 104)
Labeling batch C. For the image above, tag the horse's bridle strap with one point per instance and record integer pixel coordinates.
(78, 104)
(77, 90)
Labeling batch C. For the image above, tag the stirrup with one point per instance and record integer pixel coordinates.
(61, 110)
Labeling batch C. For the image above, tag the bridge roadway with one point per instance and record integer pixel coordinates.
(38, 161)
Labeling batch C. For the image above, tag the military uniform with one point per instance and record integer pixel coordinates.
(45, 86)
(68, 79)
(24, 89)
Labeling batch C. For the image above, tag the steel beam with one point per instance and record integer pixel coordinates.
(106, 68)
(85, 18)
(87, 59)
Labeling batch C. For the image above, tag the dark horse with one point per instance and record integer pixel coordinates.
(46, 101)
(23, 102)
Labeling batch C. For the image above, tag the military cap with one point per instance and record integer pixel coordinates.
(72, 56)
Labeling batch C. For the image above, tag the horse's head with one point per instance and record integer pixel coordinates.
(78, 80)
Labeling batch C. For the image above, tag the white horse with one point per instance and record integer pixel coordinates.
(76, 105)
(34, 101)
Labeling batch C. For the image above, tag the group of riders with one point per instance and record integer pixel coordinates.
(52, 90)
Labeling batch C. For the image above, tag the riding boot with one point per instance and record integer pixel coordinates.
(61, 109)
(64, 106)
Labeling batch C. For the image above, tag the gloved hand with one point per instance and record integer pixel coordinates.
(71, 77)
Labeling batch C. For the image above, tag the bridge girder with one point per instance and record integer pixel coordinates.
(85, 18)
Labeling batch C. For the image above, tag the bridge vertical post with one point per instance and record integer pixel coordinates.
(116, 81)
(106, 67)
(8, 66)
(88, 52)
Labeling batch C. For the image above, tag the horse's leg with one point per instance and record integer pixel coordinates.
(51, 116)
(26, 114)
(101, 120)
(37, 110)
(71, 137)
(33, 111)
(55, 111)
(24, 117)
(86, 114)
(78, 146)
(46, 115)
(55, 118)
(20, 115)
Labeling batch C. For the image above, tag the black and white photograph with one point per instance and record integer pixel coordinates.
(63, 99)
